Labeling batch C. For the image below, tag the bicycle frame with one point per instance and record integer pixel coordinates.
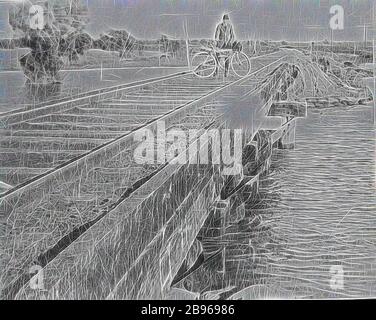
(220, 54)
(221, 58)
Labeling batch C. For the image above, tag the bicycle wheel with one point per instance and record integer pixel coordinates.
(203, 65)
(240, 64)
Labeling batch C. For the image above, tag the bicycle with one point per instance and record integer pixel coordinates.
(206, 62)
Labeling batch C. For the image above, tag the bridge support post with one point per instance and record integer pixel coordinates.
(221, 211)
(250, 190)
(290, 111)
(215, 227)
(287, 140)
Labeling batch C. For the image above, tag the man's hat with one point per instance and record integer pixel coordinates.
(226, 17)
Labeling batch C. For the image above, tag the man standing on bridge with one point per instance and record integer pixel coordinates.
(225, 39)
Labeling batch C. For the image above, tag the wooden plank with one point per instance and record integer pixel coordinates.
(288, 109)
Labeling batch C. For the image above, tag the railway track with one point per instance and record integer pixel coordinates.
(70, 165)
(38, 145)
(36, 142)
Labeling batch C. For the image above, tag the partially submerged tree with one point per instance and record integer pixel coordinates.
(53, 31)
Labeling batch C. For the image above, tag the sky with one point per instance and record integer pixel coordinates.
(300, 20)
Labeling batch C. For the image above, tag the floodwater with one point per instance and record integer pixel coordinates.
(325, 213)
(15, 93)
(312, 231)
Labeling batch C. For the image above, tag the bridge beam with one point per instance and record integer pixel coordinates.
(287, 141)
(288, 109)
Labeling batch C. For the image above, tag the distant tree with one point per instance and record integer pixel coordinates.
(116, 40)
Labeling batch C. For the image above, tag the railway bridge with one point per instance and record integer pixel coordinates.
(76, 205)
